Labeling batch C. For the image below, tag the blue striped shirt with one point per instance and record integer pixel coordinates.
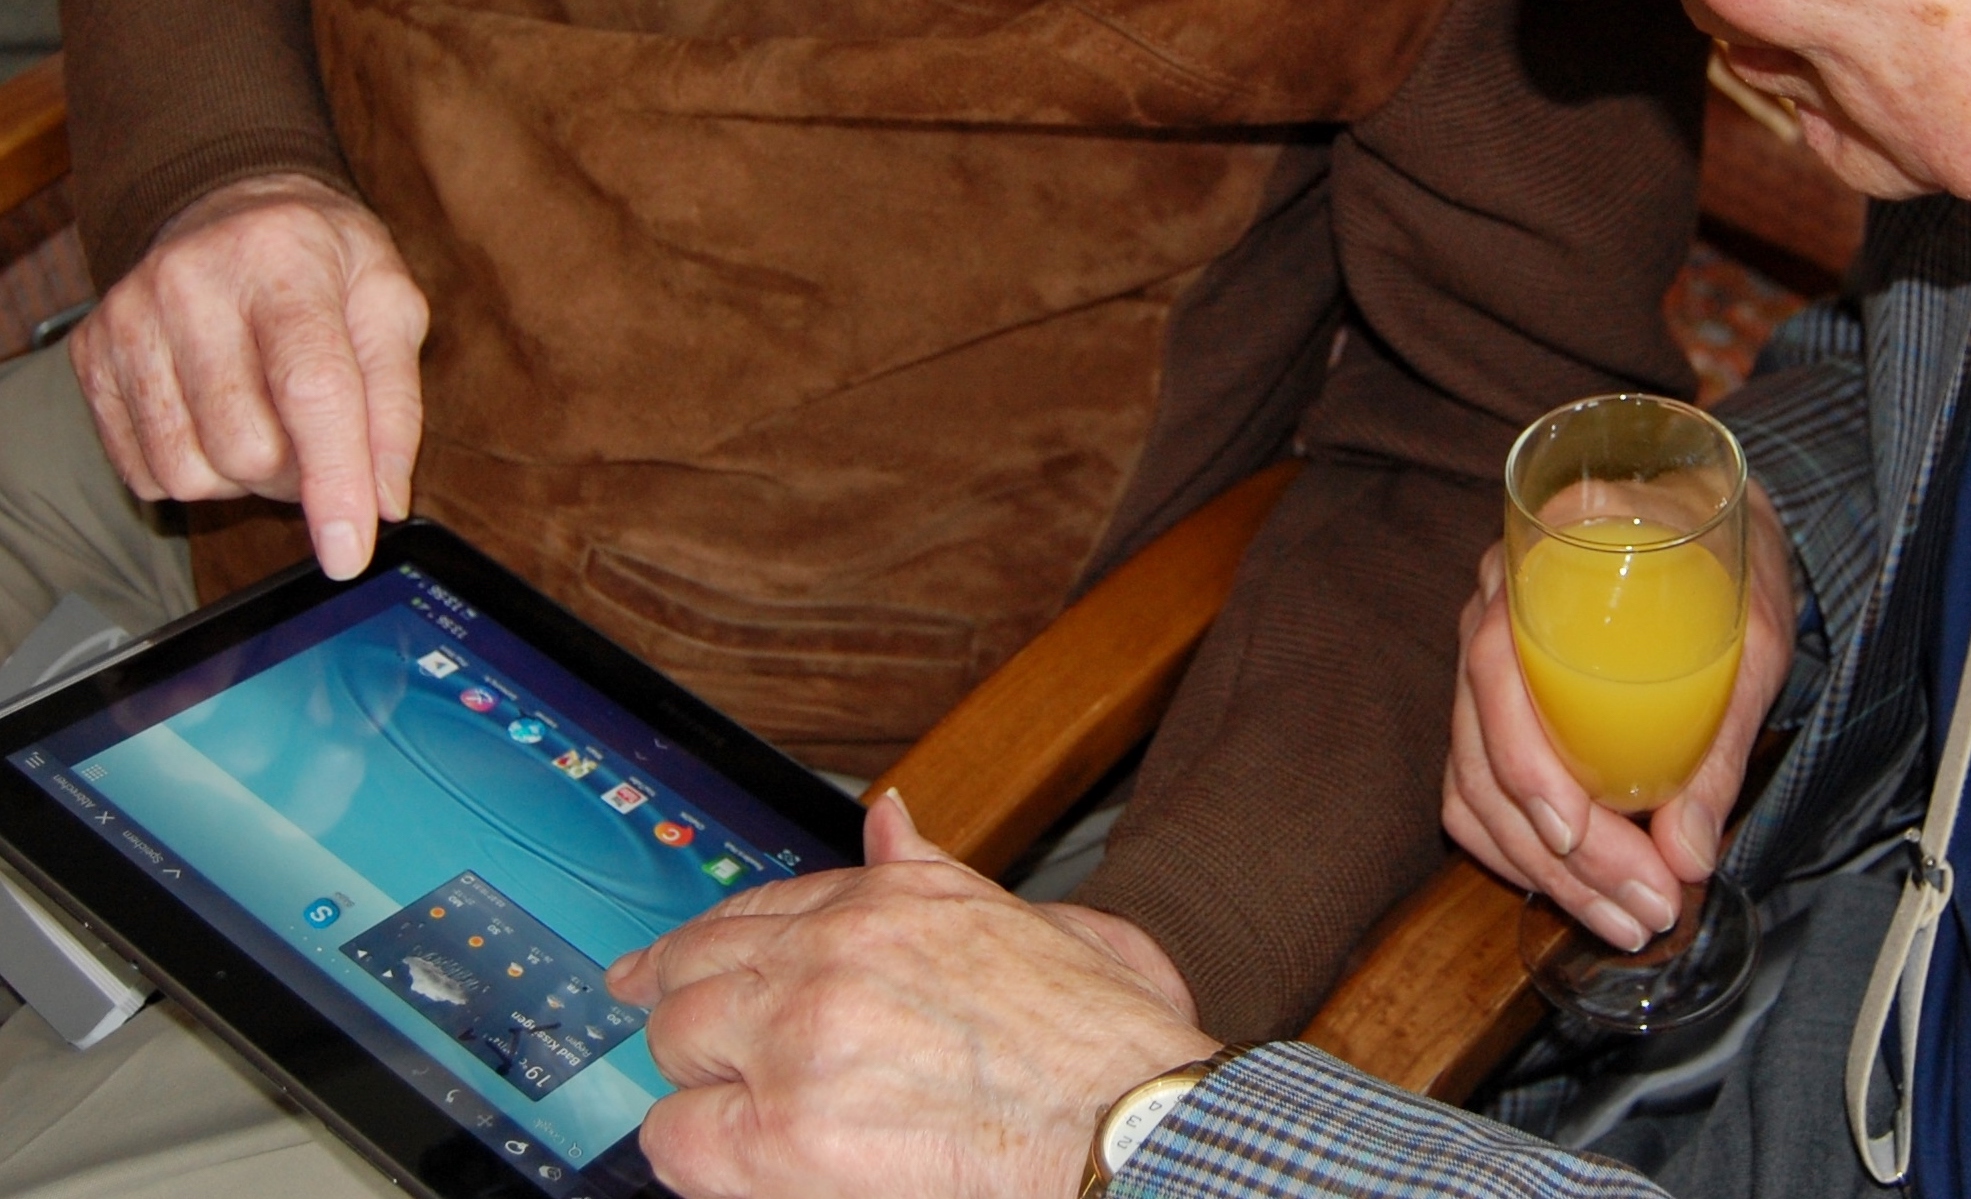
(1287, 1119)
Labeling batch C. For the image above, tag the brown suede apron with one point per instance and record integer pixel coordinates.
(806, 346)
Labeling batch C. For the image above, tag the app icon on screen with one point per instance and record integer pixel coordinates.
(574, 765)
(624, 798)
(724, 869)
(478, 699)
(526, 730)
(675, 835)
(437, 664)
(322, 913)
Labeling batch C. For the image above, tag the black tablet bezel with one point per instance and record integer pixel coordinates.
(405, 1134)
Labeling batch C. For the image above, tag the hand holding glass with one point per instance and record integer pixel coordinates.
(1626, 582)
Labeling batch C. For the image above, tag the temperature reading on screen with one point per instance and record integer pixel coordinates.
(497, 981)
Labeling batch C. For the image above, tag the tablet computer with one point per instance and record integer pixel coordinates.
(385, 836)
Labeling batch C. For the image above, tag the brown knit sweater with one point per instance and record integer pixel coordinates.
(168, 101)
(1495, 238)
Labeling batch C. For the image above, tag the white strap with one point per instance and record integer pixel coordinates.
(1904, 961)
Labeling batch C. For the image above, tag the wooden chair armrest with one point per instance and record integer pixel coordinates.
(1025, 744)
(33, 131)
(1440, 997)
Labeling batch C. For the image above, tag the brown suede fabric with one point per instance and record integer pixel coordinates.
(171, 100)
(755, 349)
(1505, 227)
(1088, 64)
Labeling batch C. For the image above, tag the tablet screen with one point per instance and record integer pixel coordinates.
(439, 838)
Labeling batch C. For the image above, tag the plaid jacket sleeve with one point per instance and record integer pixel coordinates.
(1287, 1119)
(1805, 424)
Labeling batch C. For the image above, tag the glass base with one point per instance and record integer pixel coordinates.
(1685, 975)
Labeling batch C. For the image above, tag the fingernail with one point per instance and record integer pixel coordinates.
(337, 548)
(1552, 829)
(1647, 905)
(1699, 836)
(896, 797)
(393, 475)
(1615, 926)
(621, 967)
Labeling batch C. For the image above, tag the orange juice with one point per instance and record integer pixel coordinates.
(1629, 655)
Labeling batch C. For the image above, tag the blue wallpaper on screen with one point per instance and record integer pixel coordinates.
(352, 771)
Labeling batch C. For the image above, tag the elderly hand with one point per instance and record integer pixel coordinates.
(266, 344)
(905, 1029)
(1512, 804)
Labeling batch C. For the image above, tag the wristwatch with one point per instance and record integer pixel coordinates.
(1135, 1115)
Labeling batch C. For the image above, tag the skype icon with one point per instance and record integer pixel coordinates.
(322, 912)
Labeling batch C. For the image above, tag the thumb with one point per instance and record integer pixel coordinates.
(889, 834)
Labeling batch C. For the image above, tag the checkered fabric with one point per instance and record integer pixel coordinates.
(1287, 1119)
(1848, 445)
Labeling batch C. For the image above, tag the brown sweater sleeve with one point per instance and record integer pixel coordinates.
(1506, 227)
(170, 100)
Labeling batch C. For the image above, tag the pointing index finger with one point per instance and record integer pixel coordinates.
(387, 319)
(317, 387)
(719, 939)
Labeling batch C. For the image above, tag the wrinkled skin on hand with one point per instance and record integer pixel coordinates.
(1512, 804)
(905, 1029)
(267, 344)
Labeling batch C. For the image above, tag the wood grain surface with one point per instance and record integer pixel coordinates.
(33, 131)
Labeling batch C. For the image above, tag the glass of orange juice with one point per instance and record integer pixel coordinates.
(1626, 582)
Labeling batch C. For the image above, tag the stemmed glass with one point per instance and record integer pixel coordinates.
(1626, 583)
